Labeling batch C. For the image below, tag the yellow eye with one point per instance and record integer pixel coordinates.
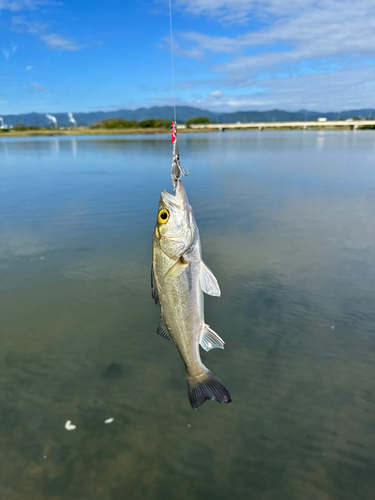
(163, 216)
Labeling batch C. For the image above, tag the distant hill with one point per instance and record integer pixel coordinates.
(184, 113)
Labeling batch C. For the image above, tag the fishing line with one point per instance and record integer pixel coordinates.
(171, 37)
(177, 171)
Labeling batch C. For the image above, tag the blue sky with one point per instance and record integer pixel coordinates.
(58, 56)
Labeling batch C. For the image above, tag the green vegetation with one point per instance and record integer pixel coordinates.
(21, 126)
(361, 118)
(198, 120)
(118, 123)
(159, 123)
(115, 123)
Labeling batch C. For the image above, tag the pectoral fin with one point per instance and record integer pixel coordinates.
(177, 268)
(211, 340)
(163, 330)
(208, 281)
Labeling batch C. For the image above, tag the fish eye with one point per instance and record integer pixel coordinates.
(163, 216)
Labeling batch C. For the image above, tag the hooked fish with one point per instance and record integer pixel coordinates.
(178, 279)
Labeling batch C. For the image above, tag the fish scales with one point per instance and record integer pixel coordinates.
(179, 278)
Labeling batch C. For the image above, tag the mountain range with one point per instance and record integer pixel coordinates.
(183, 113)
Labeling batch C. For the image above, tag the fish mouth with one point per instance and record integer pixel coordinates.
(171, 200)
(178, 200)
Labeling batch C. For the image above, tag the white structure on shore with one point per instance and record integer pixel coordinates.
(72, 120)
(53, 119)
(2, 122)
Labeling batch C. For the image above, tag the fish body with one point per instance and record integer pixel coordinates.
(178, 279)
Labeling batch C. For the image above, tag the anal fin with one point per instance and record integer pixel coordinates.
(163, 330)
(211, 340)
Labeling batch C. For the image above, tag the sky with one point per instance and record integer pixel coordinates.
(61, 56)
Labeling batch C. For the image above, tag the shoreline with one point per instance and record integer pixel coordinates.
(181, 130)
(97, 131)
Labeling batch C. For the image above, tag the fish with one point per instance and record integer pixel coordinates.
(179, 278)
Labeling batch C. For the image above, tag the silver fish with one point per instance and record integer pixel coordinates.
(178, 279)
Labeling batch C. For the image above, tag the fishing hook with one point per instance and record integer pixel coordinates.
(177, 170)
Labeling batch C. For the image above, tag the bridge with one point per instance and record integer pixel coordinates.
(339, 124)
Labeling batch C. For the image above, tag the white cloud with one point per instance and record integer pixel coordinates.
(57, 42)
(212, 43)
(239, 11)
(190, 53)
(292, 43)
(39, 88)
(244, 11)
(20, 24)
(323, 92)
(28, 68)
(9, 52)
(216, 94)
(328, 28)
(17, 5)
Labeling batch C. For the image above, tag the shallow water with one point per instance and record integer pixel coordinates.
(287, 222)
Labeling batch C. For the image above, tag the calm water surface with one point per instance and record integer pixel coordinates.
(287, 223)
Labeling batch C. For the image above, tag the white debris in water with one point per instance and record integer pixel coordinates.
(189, 425)
(332, 327)
(41, 258)
(69, 426)
(44, 456)
(108, 421)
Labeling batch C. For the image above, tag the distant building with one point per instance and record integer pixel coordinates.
(321, 120)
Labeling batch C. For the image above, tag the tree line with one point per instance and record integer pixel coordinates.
(151, 123)
(118, 123)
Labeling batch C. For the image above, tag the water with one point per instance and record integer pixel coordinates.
(287, 226)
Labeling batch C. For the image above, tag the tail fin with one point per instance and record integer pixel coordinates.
(207, 387)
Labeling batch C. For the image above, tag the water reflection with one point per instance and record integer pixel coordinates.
(74, 148)
(4, 145)
(320, 140)
(287, 225)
